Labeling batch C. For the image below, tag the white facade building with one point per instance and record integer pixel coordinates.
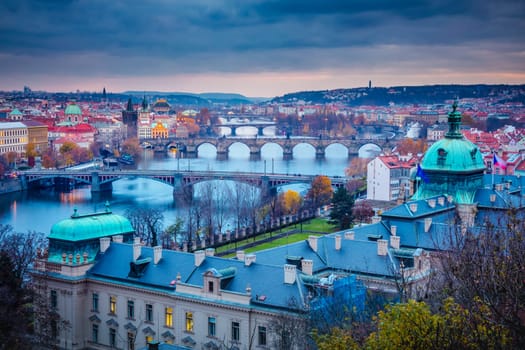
(388, 177)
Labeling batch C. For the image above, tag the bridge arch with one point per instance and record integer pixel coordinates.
(369, 150)
(339, 149)
(274, 148)
(307, 146)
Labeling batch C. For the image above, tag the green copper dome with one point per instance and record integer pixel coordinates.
(92, 226)
(452, 166)
(73, 109)
(454, 152)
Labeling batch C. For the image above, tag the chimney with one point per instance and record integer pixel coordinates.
(240, 255)
(393, 230)
(376, 219)
(289, 274)
(249, 259)
(432, 203)
(154, 345)
(350, 235)
(312, 241)
(210, 251)
(493, 198)
(338, 242)
(104, 244)
(307, 266)
(118, 238)
(85, 257)
(199, 255)
(441, 201)
(157, 254)
(499, 187)
(136, 240)
(507, 185)
(137, 247)
(382, 247)
(413, 207)
(428, 222)
(394, 241)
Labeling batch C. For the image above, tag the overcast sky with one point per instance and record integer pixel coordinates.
(256, 47)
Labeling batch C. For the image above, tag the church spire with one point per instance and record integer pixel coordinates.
(129, 106)
(454, 122)
(144, 103)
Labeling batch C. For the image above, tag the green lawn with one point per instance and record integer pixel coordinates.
(317, 225)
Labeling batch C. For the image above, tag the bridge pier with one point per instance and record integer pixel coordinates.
(260, 130)
(233, 131)
(96, 186)
(191, 151)
(222, 155)
(319, 152)
(181, 192)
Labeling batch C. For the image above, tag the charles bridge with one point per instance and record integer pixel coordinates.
(181, 181)
(189, 146)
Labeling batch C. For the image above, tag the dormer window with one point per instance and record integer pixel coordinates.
(210, 286)
(442, 155)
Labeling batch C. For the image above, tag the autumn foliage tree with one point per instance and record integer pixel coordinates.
(320, 192)
(409, 145)
(290, 202)
(131, 146)
(357, 167)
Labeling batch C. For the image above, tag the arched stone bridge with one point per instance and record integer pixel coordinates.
(190, 146)
(181, 181)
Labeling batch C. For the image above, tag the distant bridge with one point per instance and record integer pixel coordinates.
(181, 181)
(190, 146)
(259, 125)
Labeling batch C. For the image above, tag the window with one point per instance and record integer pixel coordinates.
(236, 331)
(149, 313)
(113, 305)
(211, 326)
(168, 315)
(131, 341)
(262, 335)
(149, 339)
(54, 329)
(189, 321)
(131, 309)
(94, 333)
(94, 305)
(112, 337)
(210, 286)
(54, 299)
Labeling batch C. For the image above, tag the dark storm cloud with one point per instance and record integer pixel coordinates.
(141, 37)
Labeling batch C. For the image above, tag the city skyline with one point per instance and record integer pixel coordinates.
(257, 48)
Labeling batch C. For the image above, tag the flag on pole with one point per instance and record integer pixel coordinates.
(421, 174)
(497, 161)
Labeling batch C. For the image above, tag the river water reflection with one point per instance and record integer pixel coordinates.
(39, 210)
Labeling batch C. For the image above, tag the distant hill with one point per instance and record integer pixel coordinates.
(427, 94)
(200, 99)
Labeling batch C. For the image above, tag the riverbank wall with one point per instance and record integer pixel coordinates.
(9, 186)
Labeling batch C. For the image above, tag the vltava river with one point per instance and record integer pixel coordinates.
(39, 210)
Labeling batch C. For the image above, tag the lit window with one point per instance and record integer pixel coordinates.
(262, 335)
(189, 322)
(95, 302)
(236, 331)
(54, 299)
(131, 309)
(94, 333)
(149, 313)
(149, 339)
(112, 337)
(113, 305)
(211, 326)
(168, 317)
